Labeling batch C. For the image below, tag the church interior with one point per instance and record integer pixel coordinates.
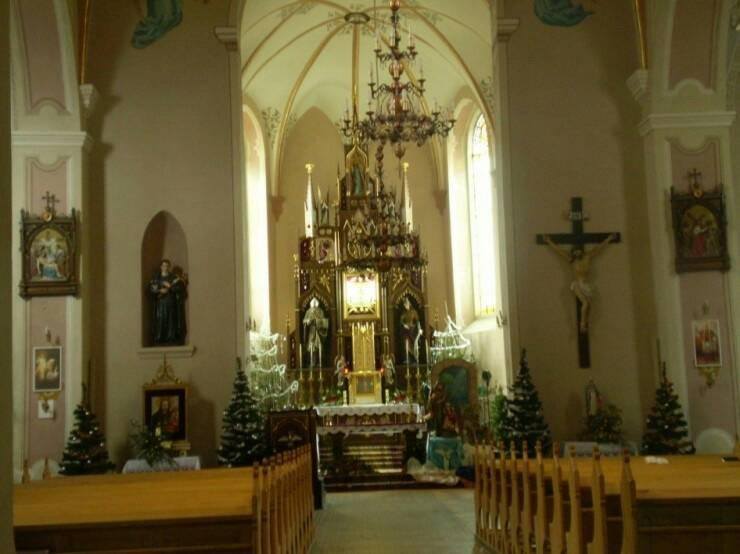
(370, 275)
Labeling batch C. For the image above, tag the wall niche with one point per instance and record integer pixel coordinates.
(164, 239)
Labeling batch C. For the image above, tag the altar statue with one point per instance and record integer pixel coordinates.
(168, 290)
(316, 327)
(410, 331)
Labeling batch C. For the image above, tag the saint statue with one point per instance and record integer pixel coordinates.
(580, 262)
(168, 291)
(410, 331)
(316, 326)
(358, 181)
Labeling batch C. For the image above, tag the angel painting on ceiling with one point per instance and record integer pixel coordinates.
(560, 13)
(161, 16)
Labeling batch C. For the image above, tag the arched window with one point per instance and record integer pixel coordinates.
(481, 169)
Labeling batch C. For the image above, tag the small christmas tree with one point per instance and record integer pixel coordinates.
(524, 420)
(85, 453)
(269, 381)
(667, 431)
(243, 427)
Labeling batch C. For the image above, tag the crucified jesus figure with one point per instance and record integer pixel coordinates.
(580, 262)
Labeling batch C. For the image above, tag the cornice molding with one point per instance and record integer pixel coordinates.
(74, 139)
(689, 120)
(506, 27)
(638, 83)
(228, 37)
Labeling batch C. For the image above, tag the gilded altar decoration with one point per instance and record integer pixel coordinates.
(361, 295)
(49, 250)
(700, 227)
(360, 281)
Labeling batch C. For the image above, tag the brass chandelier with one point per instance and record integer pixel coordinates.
(396, 113)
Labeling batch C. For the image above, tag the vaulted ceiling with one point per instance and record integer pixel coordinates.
(304, 53)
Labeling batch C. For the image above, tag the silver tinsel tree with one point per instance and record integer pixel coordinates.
(269, 380)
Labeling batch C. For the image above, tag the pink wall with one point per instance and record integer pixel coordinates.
(45, 437)
(43, 54)
(708, 406)
(692, 42)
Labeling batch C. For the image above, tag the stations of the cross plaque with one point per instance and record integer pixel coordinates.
(579, 259)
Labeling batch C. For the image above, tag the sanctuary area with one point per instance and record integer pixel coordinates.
(291, 276)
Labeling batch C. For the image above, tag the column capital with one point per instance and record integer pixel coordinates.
(228, 37)
(638, 83)
(506, 27)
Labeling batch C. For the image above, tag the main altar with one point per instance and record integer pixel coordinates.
(360, 347)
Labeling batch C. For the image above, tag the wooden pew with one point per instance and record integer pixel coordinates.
(265, 509)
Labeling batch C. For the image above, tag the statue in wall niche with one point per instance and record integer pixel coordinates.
(168, 289)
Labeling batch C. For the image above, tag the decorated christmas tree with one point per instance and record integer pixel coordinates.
(269, 381)
(85, 453)
(524, 420)
(667, 431)
(243, 427)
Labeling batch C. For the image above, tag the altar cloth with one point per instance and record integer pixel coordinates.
(181, 463)
(370, 419)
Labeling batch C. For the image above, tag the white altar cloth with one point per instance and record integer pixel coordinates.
(182, 463)
(370, 409)
(370, 419)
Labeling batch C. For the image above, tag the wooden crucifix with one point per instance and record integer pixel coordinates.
(579, 260)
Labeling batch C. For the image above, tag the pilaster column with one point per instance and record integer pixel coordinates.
(53, 161)
(228, 36)
(686, 125)
(504, 28)
(6, 228)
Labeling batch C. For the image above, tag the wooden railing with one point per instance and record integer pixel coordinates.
(518, 511)
(283, 503)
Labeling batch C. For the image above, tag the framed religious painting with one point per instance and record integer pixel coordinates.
(165, 410)
(47, 369)
(700, 230)
(49, 254)
(707, 350)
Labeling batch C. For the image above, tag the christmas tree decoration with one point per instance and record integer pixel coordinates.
(150, 445)
(524, 420)
(85, 453)
(450, 344)
(667, 431)
(243, 427)
(269, 381)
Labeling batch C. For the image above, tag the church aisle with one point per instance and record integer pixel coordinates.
(408, 522)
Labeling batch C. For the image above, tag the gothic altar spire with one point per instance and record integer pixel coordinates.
(309, 207)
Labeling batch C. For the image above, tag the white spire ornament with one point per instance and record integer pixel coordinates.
(309, 208)
(407, 211)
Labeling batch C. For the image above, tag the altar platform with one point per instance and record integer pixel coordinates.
(367, 445)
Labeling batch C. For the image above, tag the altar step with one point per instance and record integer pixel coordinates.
(367, 463)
